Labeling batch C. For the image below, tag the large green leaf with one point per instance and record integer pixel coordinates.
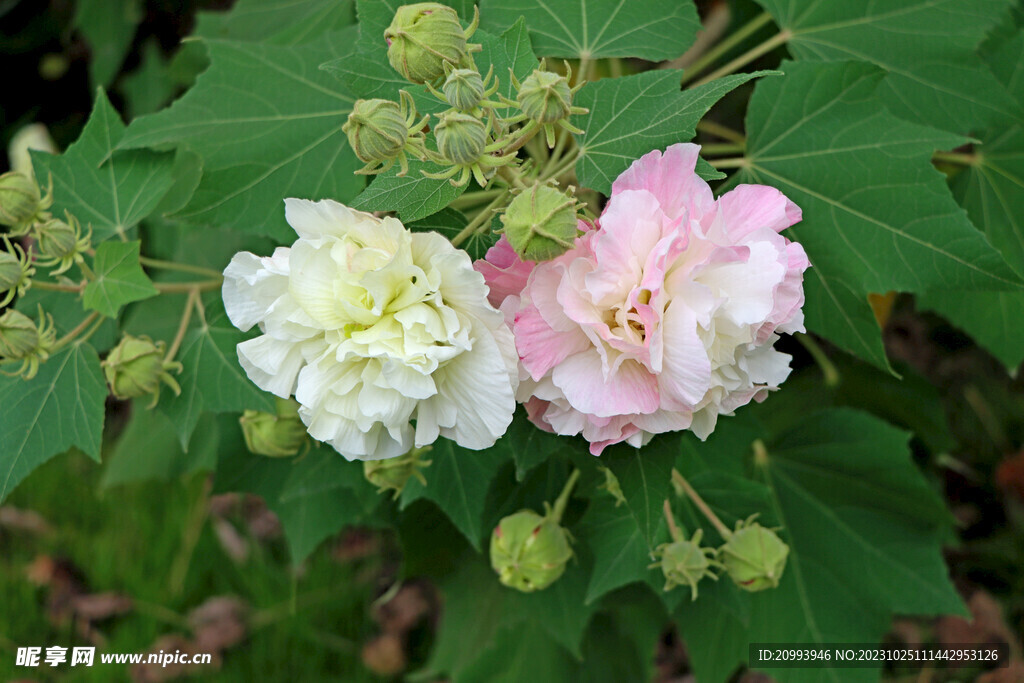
(277, 22)
(864, 530)
(267, 124)
(876, 214)
(119, 279)
(413, 196)
(621, 553)
(645, 477)
(59, 408)
(926, 46)
(111, 192)
(592, 29)
(632, 115)
(990, 189)
(108, 27)
(149, 449)
(211, 379)
(458, 480)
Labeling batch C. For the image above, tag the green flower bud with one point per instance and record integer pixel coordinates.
(685, 563)
(464, 88)
(136, 367)
(541, 223)
(545, 97)
(20, 201)
(276, 435)
(461, 138)
(754, 556)
(392, 474)
(57, 239)
(376, 130)
(529, 552)
(16, 271)
(23, 339)
(423, 37)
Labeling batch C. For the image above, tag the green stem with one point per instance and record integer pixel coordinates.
(828, 368)
(186, 287)
(186, 317)
(92, 330)
(718, 130)
(731, 162)
(695, 498)
(563, 498)
(479, 220)
(183, 267)
(512, 176)
(734, 39)
(56, 287)
(473, 198)
(673, 528)
(556, 153)
(70, 336)
(566, 164)
(722, 148)
(957, 158)
(193, 530)
(750, 55)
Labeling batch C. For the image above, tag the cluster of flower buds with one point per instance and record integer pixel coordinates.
(25, 340)
(279, 434)
(137, 367)
(530, 551)
(392, 474)
(753, 556)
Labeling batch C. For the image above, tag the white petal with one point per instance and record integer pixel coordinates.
(271, 364)
(250, 288)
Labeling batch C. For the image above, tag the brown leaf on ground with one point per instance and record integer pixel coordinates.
(25, 521)
(262, 522)
(219, 623)
(169, 645)
(987, 623)
(907, 631)
(1014, 673)
(224, 504)
(384, 655)
(100, 606)
(413, 602)
(355, 543)
(1010, 475)
(233, 543)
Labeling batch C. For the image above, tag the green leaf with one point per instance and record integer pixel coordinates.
(308, 514)
(864, 530)
(458, 481)
(532, 446)
(990, 190)
(59, 408)
(520, 654)
(267, 124)
(211, 379)
(108, 27)
(277, 22)
(645, 477)
(632, 115)
(876, 215)
(926, 46)
(594, 29)
(621, 553)
(148, 449)
(111, 192)
(67, 315)
(413, 196)
(119, 279)
(450, 223)
(150, 86)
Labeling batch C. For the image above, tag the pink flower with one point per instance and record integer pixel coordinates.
(664, 315)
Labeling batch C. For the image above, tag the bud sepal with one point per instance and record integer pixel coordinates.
(463, 143)
(392, 474)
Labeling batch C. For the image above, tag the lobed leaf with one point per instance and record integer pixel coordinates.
(119, 279)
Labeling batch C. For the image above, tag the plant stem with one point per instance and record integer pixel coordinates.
(750, 55)
(734, 39)
(183, 267)
(957, 158)
(186, 287)
(718, 130)
(556, 153)
(70, 336)
(723, 148)
(673, 528)
(731, 162)
(512, 177)
(566, 164)
(92, 330)
(473, 198)
(828, 368)
(186, 317)
(480, 219)
(193, 530)
(681, 482)
(563, 497)
(56, 287)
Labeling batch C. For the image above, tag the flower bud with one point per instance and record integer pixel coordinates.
(754, 557)
(528, 551)
(461, 138)
(136, 367)
(376, 130)
(685, 563)
(23, 339)
(276, 435)
(464, 88)
(16, 271)
(545, 97)
(20, 201)
(541, 223)
(33, 136)
(422, 37)
(392, 474)
(61, 243)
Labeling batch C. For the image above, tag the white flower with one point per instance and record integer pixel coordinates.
(372, 326)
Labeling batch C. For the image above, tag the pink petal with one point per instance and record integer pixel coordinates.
(748, 208)
(505, 273)
(540, 347)
(630, 390)
(670, 177)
